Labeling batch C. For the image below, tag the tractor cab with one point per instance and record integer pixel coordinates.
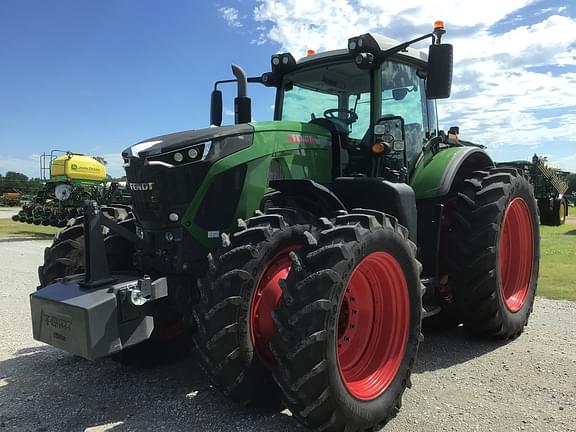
(379, 115)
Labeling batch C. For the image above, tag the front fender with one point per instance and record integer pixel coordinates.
(433, 176)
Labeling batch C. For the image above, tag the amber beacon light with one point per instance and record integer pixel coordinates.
(438, 25)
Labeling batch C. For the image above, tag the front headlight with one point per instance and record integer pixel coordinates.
(207, 151)
(220, 148)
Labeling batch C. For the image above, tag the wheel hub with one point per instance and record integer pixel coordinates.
(265, 300)
(516, 254)
(373, 325)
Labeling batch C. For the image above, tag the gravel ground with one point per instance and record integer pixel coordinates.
(460, 384)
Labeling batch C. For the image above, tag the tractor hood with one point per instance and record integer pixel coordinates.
(176, 141)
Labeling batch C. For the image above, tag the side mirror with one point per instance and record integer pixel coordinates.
(216, 108)
(439, 77)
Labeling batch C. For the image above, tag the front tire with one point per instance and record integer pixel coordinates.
(237, 297)
(349, 325)
(495, 250)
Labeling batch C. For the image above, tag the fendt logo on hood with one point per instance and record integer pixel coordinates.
(141, 186)
(302, 139)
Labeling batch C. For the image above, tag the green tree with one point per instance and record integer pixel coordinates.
(14, 181)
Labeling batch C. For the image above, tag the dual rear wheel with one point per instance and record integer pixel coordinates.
(323, 315)
(494, 253)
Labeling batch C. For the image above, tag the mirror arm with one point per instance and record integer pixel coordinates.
(436, 36)
(383, 55)
(250, 80)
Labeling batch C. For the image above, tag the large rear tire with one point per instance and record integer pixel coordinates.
(237, 297)
(349, 325)
(495, 250)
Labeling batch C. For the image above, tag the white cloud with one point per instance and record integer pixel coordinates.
(327, 24)
(515, 86)
(231, 16)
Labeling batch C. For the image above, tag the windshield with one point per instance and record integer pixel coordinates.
(300, 103)
(335, 90)
(341, 91)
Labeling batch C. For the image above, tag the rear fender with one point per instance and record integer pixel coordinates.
(435, 176)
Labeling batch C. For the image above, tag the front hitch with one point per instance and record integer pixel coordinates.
(97, 313)
(95, 322)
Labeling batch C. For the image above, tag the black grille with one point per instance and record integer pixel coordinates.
(172, 189)
(221, 200)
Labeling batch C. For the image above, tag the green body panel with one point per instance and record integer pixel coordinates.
(302, 150)
(434, 172)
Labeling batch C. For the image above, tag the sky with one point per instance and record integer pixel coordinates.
(95, 77)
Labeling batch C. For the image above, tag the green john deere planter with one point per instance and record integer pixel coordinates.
(550, 187)
(301, 254)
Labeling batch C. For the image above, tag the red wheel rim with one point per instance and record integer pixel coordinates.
(264, 300)
(516, 254)
(373, 325)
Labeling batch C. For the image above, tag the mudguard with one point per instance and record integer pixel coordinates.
(309, 195)
(434, 175)
(396, 199)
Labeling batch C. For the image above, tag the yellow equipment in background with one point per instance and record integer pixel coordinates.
(77, 168)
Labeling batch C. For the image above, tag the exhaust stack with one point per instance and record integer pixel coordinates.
(242, 103)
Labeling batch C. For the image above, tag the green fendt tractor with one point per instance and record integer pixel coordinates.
(550, 188)
(303, 253)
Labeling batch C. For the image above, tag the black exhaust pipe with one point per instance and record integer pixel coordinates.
(242, 103)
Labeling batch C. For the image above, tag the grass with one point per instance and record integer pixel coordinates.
(558, 262)
(18, 230)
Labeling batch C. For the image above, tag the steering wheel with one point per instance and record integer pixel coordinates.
(351, 116)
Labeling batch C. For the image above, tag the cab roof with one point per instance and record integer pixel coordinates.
(384, 43)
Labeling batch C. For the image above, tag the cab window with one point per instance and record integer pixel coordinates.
(402, 95)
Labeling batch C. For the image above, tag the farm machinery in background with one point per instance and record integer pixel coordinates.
(301, 254)
(11, 199)
(70, 180)
(550, 187)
